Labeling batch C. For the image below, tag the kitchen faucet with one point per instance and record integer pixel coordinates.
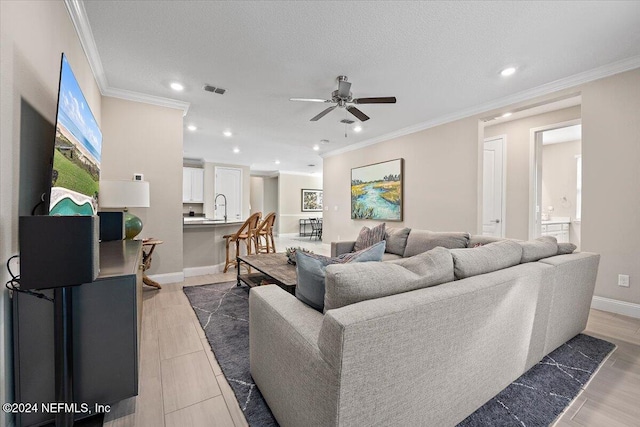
(215, 204)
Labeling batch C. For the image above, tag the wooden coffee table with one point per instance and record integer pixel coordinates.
(271, 269)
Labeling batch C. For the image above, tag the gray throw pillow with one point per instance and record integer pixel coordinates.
(369, 236)
(486, 258)
(351, 283)
(565, 248)
(396, 240)
(311, 271)
(420, 241)
(542, 247)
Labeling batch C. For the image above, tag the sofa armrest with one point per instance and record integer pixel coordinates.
(339, 248)
(286, 365)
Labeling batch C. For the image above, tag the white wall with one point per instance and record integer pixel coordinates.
(33, 35)
(257, 194)
(559, 177)
(290, 200)
(270, 201)
(147, 139)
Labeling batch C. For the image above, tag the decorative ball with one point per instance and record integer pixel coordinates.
(132, 226)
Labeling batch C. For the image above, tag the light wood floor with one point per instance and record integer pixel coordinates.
(181, 383)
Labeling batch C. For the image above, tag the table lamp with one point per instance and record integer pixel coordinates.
(125, 194)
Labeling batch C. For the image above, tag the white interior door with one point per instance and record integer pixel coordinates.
(229, 183)
(493, 187)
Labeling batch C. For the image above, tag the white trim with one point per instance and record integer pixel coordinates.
(201, 271)
(166, 278)
(546, 89)
(147, 99)
(535, 180)
(305, 214)
(78, 15)
(616, 306)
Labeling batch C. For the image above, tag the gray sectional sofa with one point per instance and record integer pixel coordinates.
(420, 340)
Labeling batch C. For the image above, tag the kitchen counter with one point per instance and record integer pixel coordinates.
(556, 220)
(189, 222)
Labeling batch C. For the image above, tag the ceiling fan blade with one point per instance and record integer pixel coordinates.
(323, 113)
(344, 88)
(379, 100)
(359, 114)
(310, 99)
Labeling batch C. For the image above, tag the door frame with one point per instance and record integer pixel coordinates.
(535, 173)
(503, 213)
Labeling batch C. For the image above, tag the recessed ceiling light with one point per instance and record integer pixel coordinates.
(177, 86)
(316, 147)
(358, 128)
(192, 128)
(227, 133)
(506, 114)
(236, 150)
(507, 71)
(277, 162)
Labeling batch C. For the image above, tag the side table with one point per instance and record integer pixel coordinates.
(148, 246)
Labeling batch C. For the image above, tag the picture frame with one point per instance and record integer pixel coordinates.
(311, 200)
(377, 191)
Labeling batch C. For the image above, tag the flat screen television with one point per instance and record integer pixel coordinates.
(76, 157)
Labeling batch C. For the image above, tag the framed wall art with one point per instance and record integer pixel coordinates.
(311, 200)
(377, 191)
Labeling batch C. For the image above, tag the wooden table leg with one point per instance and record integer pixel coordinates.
(147, 281)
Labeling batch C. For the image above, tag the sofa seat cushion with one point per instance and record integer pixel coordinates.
(542, 247)
(310, 269)
(369, 236)
(351, 283)
(396, 240)
(420, 241)
(486, 258)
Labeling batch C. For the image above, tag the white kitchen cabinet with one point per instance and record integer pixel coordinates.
(559, 231)
(192, 185)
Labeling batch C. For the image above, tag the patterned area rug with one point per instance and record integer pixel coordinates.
(534, 399)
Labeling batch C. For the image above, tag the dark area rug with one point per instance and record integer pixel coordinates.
(534, 399)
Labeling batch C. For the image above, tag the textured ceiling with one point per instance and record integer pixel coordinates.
(437, 58)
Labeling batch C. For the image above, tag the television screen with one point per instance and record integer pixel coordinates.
(76, 157)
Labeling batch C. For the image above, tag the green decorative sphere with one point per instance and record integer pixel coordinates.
(132, 226)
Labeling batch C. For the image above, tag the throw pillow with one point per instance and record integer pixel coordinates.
(396, 239)
(311, 272)
(420, 241)
(351, 283)
(565, 248)
(369, 236)
(542, 247)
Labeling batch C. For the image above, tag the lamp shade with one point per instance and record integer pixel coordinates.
(123, 194)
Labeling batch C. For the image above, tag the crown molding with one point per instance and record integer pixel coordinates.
(546, 89)
(81, 23)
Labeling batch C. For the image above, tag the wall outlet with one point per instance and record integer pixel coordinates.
(623, 280)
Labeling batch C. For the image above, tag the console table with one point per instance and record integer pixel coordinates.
(107, 320)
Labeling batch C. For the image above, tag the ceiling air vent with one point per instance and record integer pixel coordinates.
(347, 121)
(214, 89)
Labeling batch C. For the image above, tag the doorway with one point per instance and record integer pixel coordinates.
(557, 182)
(229, 183)
(493, 186)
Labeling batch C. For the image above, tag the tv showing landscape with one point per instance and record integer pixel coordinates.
(76, 157)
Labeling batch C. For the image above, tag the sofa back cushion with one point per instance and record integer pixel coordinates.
(396, 240)
(542, 247)
(485, 259)
(479, 240)
(310, 269)
(420, 241)
(351, 283)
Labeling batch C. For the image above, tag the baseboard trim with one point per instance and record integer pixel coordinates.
(166, 278)
(201, 271)
(616, 306)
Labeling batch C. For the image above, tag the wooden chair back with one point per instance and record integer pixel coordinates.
(249, 225)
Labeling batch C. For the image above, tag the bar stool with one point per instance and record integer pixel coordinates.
(244, 233)
(265, 231)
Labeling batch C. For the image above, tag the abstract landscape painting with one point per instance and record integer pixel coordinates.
(376, 191)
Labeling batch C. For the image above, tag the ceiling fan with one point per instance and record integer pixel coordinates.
(343, 99)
